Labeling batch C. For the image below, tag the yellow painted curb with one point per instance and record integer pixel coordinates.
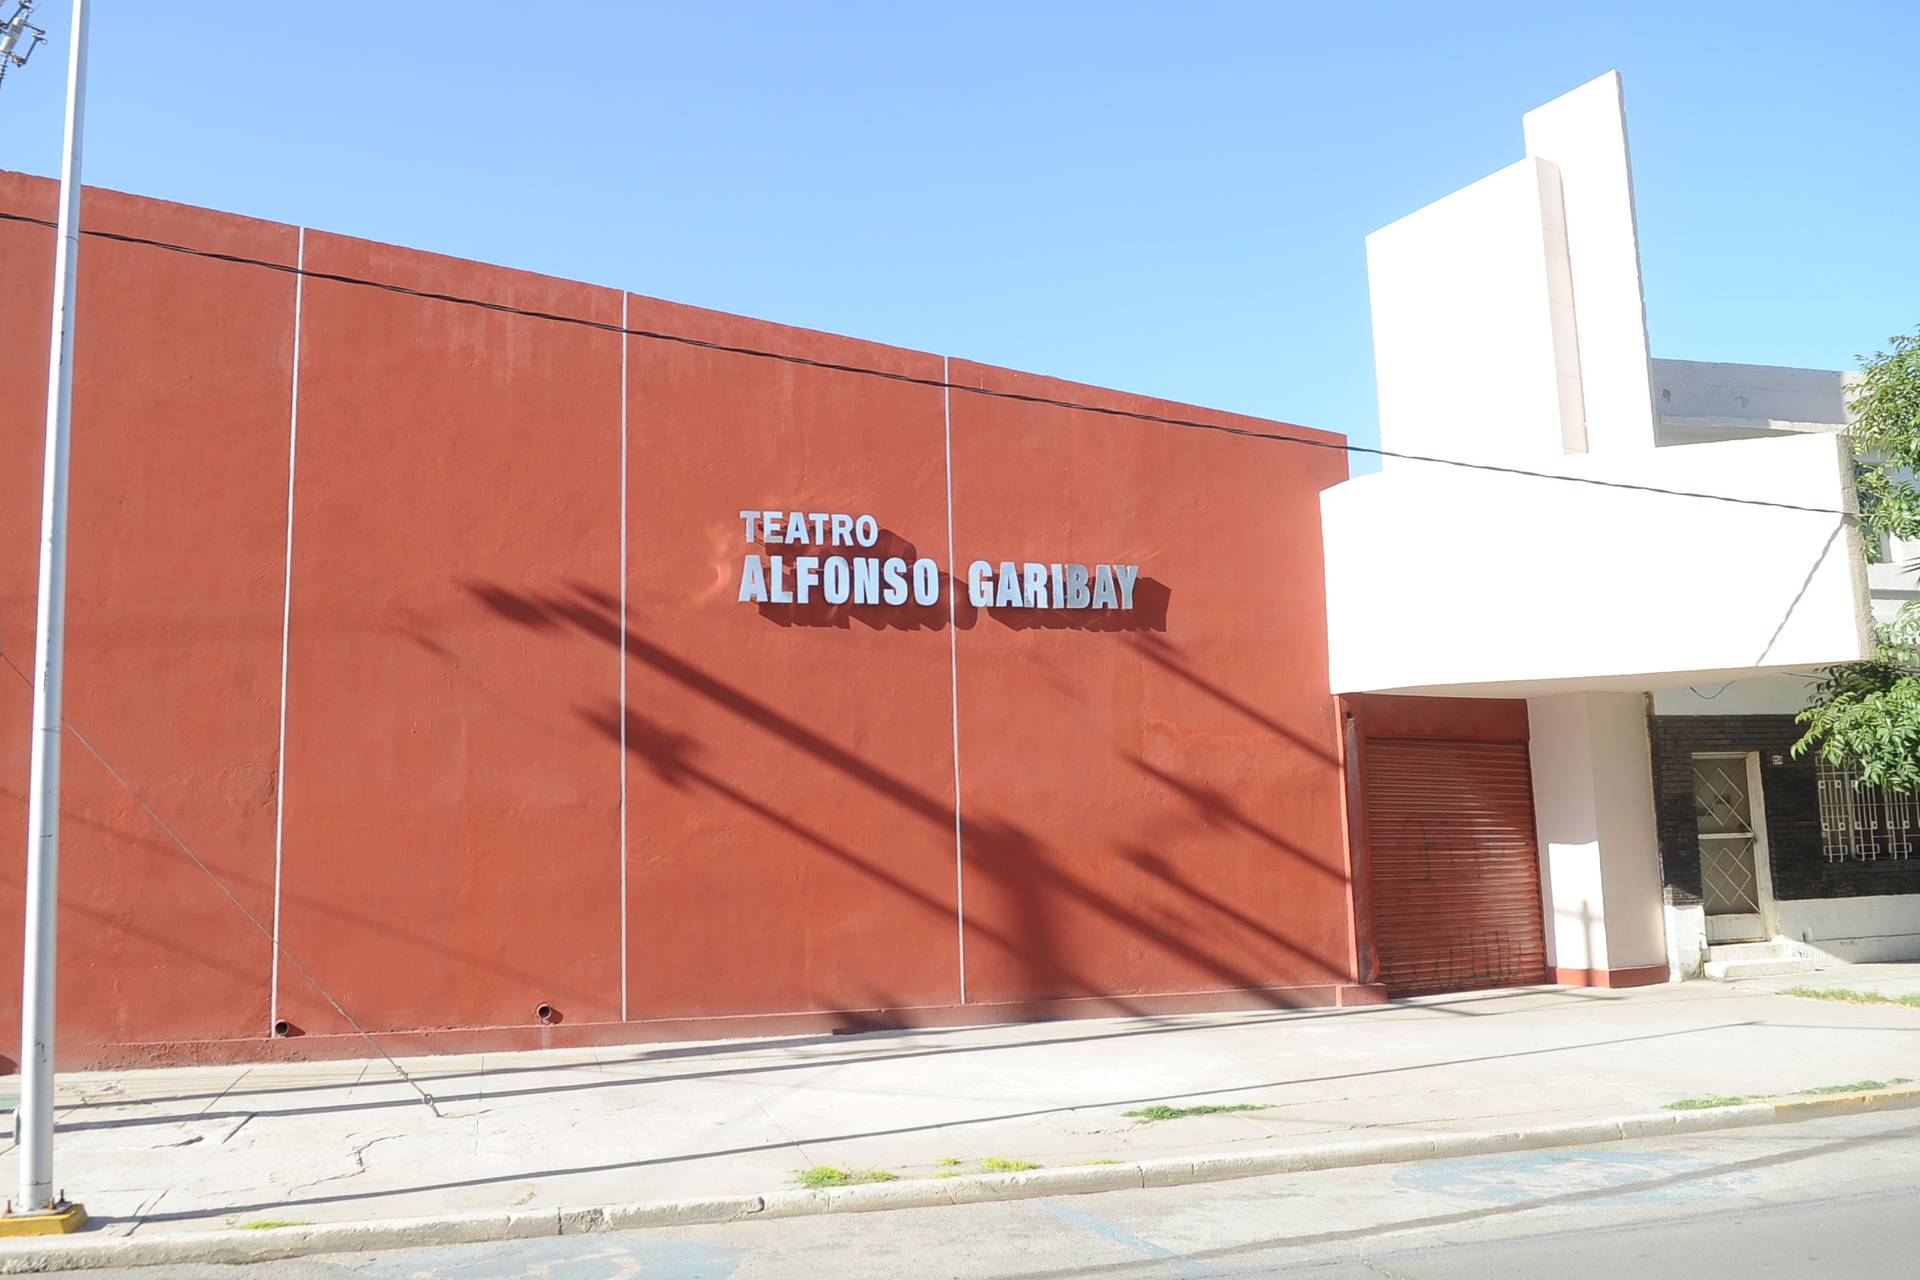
(57, 1222)
(1797, 1107)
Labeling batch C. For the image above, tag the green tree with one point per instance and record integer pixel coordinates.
(1865, 716)
(1886, 439)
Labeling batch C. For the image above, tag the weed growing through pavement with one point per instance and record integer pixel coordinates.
(947, 1162)
(269, 1224)
(1858, 1086)
(1000, 1165)
(1148, 1115)
(825, 1175)
(1716, 1100)
(1852, 997)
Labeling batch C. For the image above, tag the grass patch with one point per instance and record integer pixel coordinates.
(1148, 1115)
(1712, 1100)
(999, 1164)
(269, 1224)
(1851, 997)
(1735, 1100)
(1858, 1086)
(951, 1173)
(947, 1162)
(825, 1175)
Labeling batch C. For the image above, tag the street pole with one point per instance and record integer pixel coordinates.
(35, 1132)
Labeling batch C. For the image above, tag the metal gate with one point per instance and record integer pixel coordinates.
(1735, 885)
(1455, 864)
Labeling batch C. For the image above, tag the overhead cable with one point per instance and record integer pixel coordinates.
(938, 384)
(220, 884)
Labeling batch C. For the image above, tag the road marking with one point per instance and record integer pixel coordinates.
(1126, 1239)
(559, 1258)
(1524, 1177)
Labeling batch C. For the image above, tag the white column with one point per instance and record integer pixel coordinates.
(1599, 848)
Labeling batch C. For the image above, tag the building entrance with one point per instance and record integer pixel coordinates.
(1736, 883)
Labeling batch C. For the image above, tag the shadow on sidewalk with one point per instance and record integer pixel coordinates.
(795, 1143)
(725, 1073)
(1155, 1026)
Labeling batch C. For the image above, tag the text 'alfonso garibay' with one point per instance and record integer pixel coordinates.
(891, 580)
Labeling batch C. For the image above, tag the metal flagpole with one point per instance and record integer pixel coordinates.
(35, 1131)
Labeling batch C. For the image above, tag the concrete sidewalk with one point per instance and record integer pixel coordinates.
(211, 1148)
(1887, 980)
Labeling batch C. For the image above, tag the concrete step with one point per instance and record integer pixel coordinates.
(1778, 949)
(1733, 970)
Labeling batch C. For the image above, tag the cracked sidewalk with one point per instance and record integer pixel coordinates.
(215, 1147)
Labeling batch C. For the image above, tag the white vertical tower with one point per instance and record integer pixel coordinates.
(1583, 134)
(1508, 322)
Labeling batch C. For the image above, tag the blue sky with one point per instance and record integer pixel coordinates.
(1170, 199)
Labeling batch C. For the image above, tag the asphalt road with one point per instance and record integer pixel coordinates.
(1835, 1197)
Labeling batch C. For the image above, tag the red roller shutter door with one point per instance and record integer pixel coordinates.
(1456, 865)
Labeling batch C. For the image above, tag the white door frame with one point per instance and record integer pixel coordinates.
(1762, 857)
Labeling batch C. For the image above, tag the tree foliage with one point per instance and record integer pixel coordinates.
(1865, 716)
(1886, 438)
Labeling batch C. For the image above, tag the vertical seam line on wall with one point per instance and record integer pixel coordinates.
(625, 342)
(286, 624)
(953, 672)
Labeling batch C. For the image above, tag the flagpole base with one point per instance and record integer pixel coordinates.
(56, 1221)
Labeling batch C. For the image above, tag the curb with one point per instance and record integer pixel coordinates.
(71, 1253)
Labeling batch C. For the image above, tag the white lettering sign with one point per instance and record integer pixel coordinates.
(875, 580)
(1057, 586)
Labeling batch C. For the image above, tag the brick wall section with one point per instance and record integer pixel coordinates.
(1793, 811)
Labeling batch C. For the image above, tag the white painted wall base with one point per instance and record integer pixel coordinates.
(1686, 942)
(1854, 930)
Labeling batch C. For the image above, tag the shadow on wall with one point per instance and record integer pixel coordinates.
(216, 877)
(1166, 656)
(1151, 597)
(1216, 809)
(907, 616)
(1023, 868)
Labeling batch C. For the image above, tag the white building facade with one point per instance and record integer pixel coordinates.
(1641, 575)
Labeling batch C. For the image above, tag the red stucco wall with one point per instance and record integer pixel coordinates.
(1150, 801)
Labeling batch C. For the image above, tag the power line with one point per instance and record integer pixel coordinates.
(221, 885)
(938, 384)
(13, 31)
